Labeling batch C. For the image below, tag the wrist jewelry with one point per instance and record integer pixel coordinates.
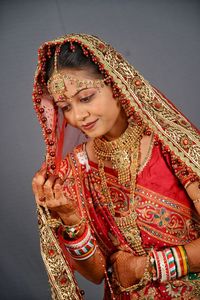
(83, 247)
(181, 260)
(170, 263)
(73, 230)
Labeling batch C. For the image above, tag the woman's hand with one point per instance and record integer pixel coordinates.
(128, 269)
(49, 192)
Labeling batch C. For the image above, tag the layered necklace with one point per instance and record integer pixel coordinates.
(123, 154)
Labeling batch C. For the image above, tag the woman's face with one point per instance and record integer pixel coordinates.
(89, 107)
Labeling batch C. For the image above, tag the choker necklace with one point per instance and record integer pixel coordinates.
(121, 152)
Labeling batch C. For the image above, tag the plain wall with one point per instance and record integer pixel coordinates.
(161, 38)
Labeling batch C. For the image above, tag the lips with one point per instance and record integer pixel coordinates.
(89, 125)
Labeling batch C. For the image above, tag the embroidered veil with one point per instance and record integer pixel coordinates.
(177, 135)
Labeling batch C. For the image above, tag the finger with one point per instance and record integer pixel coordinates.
(41, 201)
(48, 188)
(58, 189)
(37, 184)
(38, 179)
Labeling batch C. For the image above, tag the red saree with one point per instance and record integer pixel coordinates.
(165, 214)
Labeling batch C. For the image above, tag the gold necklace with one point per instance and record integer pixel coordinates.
(123, 153)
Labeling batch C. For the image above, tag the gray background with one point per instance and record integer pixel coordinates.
(161, 38)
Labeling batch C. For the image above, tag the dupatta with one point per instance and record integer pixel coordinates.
(177, 135)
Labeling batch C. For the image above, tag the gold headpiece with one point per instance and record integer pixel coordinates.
(56, 84)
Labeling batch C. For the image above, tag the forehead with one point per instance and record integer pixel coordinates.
(71, 81)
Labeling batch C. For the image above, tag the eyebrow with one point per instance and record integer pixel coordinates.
(86, 88)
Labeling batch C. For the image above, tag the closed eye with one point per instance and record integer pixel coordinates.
(87, 99)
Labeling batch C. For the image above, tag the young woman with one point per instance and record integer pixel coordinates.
(118, 196)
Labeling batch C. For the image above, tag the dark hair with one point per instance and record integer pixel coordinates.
(72, 59)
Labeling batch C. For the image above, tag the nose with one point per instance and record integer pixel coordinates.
(80, 112)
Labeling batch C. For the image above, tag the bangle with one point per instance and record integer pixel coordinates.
(184, 260)
(171, 263)
(82, 248)
(157, 265)
(73, 230)
(153, 266)
(164, 265)
(181, 260)
(177, 260)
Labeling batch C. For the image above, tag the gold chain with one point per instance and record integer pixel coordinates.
(127, 167)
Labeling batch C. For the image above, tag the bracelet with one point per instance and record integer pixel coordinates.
(147, 277)
(171, 263)
(153, 266)
(82, 248)
(157, 265)
(73, 230)
(186, 259)
(185, 267)
(177, 260)
(163, 266)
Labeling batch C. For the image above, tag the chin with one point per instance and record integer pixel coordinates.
(94, 134)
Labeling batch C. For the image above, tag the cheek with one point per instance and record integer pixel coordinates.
(107, 105)
(113, 107)
(69, 119)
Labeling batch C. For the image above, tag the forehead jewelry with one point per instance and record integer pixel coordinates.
(57, 83)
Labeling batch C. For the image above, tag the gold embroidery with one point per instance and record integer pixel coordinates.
(61, 278)
(147, 157)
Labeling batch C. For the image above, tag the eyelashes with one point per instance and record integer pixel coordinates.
(87, 99)
(66, 108)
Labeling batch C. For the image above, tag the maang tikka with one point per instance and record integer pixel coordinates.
(56, 84)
